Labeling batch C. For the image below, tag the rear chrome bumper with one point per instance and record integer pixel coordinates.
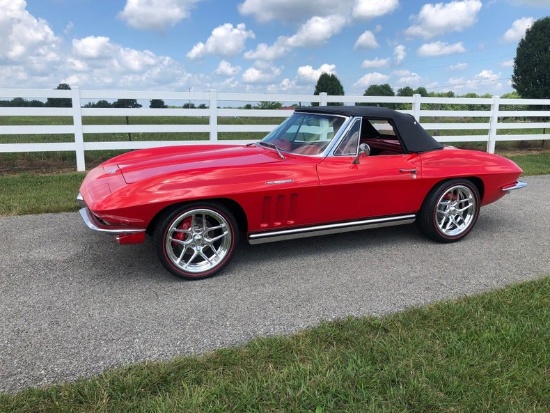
(517, 185)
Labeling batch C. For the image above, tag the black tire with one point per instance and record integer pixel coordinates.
(197, 240)
(450, 210)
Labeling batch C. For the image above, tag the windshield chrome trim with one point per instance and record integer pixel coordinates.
(331, 144)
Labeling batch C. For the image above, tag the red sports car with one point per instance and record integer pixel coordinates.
(323, 170)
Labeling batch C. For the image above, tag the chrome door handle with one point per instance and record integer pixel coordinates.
(410, 171)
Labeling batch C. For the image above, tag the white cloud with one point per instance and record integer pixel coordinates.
(487, 76)
(375, 63)
(508, 63)
(227, 69)
(226, 40)
(287, 84)
(519, 26)
(437, 19)
(312, 75)
(369, 9)
(68, 28)
(317, 30)
(265, 52)
(366, 41)
(261, 74)
(440, 49)
(155, 14)
(93, 47)
(406, 77)
(372, 79)
(459, 66)
(137, 60)
(314, 32)
(96, 60)
(285, 10)
(26, 39)
(399, 53)
(482, 79)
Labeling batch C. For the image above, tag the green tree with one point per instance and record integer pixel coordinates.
(60, 102)
(531, 77)
(405, 91)
(269, 105)
(422, 91)
(379, 90)
(329, 84)
(126, 103)
(99, 104)
(157, 104)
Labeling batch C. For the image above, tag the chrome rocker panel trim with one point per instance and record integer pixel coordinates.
(517, 185)
(286, 234)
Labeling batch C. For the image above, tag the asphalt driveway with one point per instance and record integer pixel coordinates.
(73, 303)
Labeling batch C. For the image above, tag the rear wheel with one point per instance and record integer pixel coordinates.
(450, 210)
(196, 240)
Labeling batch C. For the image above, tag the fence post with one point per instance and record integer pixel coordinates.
(323, 96)
(213, 115)
(416, 106)
(77, 125)
(493, 125)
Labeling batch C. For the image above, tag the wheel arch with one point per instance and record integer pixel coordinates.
(478, 182)
(234, 207)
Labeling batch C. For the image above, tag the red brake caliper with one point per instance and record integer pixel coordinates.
(185, 225)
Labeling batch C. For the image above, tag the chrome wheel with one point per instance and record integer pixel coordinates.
(456, 210)
(196, 241)
(450, 210)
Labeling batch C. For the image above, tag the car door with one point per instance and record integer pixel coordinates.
(377, 185)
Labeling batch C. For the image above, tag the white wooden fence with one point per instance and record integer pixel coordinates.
(495, 115)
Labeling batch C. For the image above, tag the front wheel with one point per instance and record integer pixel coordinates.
(450, 210)
(196, 240)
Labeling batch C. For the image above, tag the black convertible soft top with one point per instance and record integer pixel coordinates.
(413, 136)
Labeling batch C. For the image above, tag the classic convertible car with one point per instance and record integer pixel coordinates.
(323, 170)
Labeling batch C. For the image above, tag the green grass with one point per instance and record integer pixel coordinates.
(533, 164)
(487, 353)
(37, 193)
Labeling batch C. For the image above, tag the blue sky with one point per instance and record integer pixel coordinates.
(265, 46)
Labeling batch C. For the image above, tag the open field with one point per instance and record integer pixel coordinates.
(65, 161)
(35, 193)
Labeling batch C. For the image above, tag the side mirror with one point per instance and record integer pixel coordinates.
(364, 149)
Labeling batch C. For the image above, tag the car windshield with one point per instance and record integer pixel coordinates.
(305, 133)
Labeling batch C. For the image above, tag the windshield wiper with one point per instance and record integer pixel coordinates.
(272, 146)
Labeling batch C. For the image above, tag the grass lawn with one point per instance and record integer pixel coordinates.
(487, 353)
(35, 193)
(39, 193)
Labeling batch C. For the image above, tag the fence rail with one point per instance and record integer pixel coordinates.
(494, 115)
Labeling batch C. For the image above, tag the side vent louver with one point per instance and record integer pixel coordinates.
(279, 210)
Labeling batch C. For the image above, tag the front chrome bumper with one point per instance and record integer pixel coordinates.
(92, 222)
(517, 185)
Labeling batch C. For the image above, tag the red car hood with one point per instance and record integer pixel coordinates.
(147, 163)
